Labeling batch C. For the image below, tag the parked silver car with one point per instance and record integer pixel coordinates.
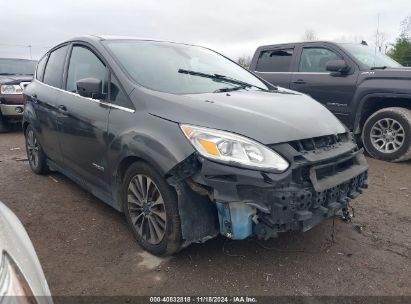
(21, 277)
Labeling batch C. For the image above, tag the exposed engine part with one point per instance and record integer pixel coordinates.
(346, 215)
(259, 207)
(200, 189)
(236, 219)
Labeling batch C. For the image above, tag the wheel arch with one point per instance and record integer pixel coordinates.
(198, 214)
(374, 102)
(121, 170)
(125, 162)
(25, 125)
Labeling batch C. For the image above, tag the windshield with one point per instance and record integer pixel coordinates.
(17, 67)
(179, 68)
(369, 57)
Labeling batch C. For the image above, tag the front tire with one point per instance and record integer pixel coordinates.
(37, 158)
(151, 210)
(387, 134)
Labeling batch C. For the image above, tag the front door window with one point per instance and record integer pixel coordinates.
(315, 59)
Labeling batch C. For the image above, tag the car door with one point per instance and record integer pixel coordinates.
(332, 90)
(43, 96)
(274, 65)
(83, 121)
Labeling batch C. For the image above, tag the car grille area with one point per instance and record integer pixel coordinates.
(316, 189)
(293, 209)
(326, 142)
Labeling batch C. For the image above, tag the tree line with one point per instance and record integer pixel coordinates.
(401, 49)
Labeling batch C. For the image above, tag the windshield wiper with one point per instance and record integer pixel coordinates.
(218, 77)
(378, 67)
(229, 89)
(7, 74)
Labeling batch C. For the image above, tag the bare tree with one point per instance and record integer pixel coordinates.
(350, 38)
(406, 27)
(244, 61)
(310, 35)
(381, 41)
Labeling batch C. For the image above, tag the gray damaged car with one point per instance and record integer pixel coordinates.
(187, 143)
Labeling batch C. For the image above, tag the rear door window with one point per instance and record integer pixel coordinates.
(53, 74)
(40, 68)
(278, 60)
(315, 59)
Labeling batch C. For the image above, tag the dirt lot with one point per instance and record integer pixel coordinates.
(86, 249)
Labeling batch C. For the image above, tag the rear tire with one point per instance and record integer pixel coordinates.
(4, 126)
(37, 158)
(151, 209)
(387, 134)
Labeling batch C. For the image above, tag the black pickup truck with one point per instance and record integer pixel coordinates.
(368, 91)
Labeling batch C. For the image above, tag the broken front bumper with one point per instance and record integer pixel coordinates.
(321, 180)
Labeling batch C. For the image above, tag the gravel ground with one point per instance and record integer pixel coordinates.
(86, 249)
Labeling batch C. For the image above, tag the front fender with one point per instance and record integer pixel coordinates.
(372, 87)
(366, 99)
(157, 141)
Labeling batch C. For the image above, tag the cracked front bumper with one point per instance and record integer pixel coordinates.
(318, 184)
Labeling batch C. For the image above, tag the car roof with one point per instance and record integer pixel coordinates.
(99, 38)
(306, 42)
(295, 43)
(22, 59)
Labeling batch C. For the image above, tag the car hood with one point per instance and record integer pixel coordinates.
(15, 79)
(268, 117)
(392, 73)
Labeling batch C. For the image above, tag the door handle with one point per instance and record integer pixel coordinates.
(299, 81)
(34, 98)
(63, 109)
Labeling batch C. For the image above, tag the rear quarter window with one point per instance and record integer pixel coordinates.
(117, 96)
(278, 60)
(53, 74)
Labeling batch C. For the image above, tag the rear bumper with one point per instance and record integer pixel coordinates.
(12, 110)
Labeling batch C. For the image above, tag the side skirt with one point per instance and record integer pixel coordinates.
(102, 195)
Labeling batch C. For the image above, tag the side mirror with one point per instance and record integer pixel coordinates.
(90, 87)
(337, 67)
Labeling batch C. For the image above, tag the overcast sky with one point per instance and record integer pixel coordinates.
(233, 27)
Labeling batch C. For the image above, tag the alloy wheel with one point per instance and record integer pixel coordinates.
(33, 149)
(146, 207)
(387, 135)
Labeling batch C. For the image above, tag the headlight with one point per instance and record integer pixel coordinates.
(233, 149)
(12, 281)
(11, 89)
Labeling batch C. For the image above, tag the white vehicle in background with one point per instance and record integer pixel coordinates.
(21, 277)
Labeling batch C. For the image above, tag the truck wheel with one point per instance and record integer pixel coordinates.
(150, 207)
(4, 126)
(387, 134)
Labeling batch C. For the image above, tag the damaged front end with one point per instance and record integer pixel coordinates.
(325, 173)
